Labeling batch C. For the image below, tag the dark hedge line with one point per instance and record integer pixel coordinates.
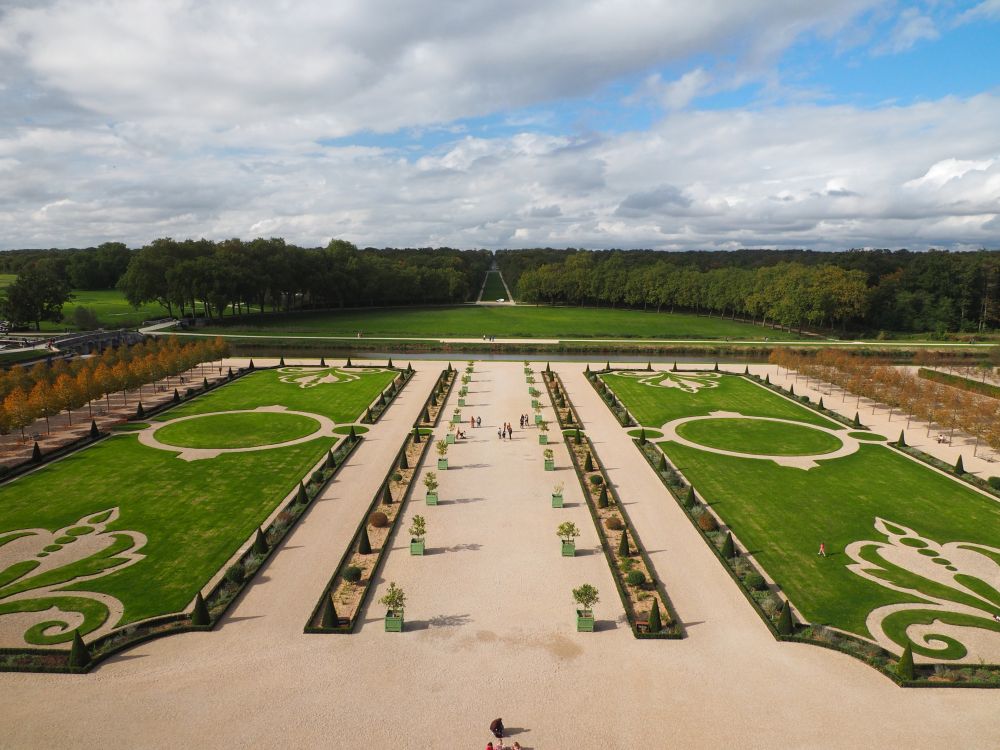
(956, 381)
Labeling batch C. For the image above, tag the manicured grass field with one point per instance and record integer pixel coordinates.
(341, 402)
(654, 406)
(755, 436)
(239, 430)
(111, 308)
(494, 288)
(782, 514)
(194, 514)
(506, 321)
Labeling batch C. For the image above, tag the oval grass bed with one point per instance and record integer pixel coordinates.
(758, 436)
(871, 436)
(129, 427)
(345, 429)
(238, 430)
(650, 434)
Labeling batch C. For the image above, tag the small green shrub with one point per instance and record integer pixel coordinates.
(378, 520)
(786, 625)
(614, 523)
(597, 480)
(235, 573)
(905, 666)
(352, 574)
(635, 578)
(755, 582)
(707, 522)
(994, 482)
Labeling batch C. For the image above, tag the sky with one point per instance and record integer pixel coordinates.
(680, 125)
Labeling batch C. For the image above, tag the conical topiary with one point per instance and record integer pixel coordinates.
(820, 404)
(200, 615)
(177, 396)
(786, 623)
(904, 669)
(331, 462)
(230, 373)
(409, 367)
(901, 443)
(607, 366)
(281, 362)
(139, 411)
(728, 550)
(746, 369)
(36, 453)
(403, 463)
(204, 383)
(426, 416)
(655, 624)
(959, 466)
(691, 499)
(301, 497)
(588, 367)
(387, 495)
(716, 368)
(588, 465)
(260, 545)
(330, 618)
(569, 417)
(79, 654)
(416, 435)
(353, 435)
(576, 436)
(857, 420)
(251, 365)
(663, 464)
(348, 363)
(767, 378)
(623, 547)
(791, 389)
(602, 500)
(94, 432)
(364, 545)
(322, 361)
(390, 363)
(368, 415)
(642, 436)
(674, 368)
(649, 366)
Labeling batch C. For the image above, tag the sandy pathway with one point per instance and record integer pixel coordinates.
(505, 644)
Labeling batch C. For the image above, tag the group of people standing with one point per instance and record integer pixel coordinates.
(505, 431)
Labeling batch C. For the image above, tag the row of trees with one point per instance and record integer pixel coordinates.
(44, 390)
(866, 290)
(917, 398)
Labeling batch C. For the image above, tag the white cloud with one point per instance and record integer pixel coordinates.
(911, 27)
(988, 10)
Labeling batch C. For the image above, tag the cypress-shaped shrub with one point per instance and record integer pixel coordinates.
(331, 461)
(200, 615)
(655, 624)
(607, 366)
(403, 463)
(368, 415)
(330, 618)
(348, 364)
(791, 389)
(322, 361)
(820, 404)
(905, 666)
(746, 369)
(901, 443)
(426, 416)
(387, 495)
(786, 623)
(569, 417)
(139, 411)
(230, 373)
(409, 367)
(281, 362)
(353, 435)
(390, 363)
(649, 366)
(623, 547)
(602, 499)
(857, 420)
(204, 383)
(251, 365)
(716, 368)
(959, 466)
(364, 544)
(674, 368)
(301, 496)
(260, 545)
(177, 397)
(728, 548)
(588, 465)
(576, 436)
(416, 435)
(767, 378)
(94, 432)
(79, 654)
(691, 499)
(642, 436)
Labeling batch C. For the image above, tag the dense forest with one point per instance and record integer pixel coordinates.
(858, 290)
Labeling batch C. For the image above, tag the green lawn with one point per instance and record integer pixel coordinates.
(194, 514)
(341, 402)
(654, 405)
(494, 288)
(755, 436)
(782, 514)
(505, 321)
(111, 308)
(239, 430)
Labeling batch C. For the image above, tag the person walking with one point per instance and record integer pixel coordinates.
(822, 549)
(479, 421)
(472, 421)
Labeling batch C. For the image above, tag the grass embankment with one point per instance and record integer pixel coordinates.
(504, 322)
(195, 514)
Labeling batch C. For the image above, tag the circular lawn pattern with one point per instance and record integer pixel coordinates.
(759, 436)
(345, 429)
(868, 436)
(650, 434)
(237, 430)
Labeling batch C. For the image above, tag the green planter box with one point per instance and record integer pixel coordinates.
(461, 402)
(568, 549)
(393, 624)
(534, 403)
(456, 418)
(543, 439)
(557, 500)
(416, 546)
(450, 438)
(432, 498)
(463, 391)
(538, 419)
(584, 621)
(442, 464)
(550, 465)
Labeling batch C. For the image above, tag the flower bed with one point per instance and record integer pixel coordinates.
(430, 414)
(609, 398)
(565, 413)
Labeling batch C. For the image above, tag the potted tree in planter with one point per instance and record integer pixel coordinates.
(442, 449)
(568, 532)
(550, 464)
(527, 367)
(538, 414)
(586, 596)
(557, 496)
(456, 415)
(461, 399)
(395, 602)
(431, 483)
(418, 530)
(450, 437)
(543, 438)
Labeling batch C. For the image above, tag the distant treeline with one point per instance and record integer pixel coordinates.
(859, 290)
(236, 277)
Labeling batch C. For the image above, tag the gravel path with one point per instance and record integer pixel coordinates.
(490, 633)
